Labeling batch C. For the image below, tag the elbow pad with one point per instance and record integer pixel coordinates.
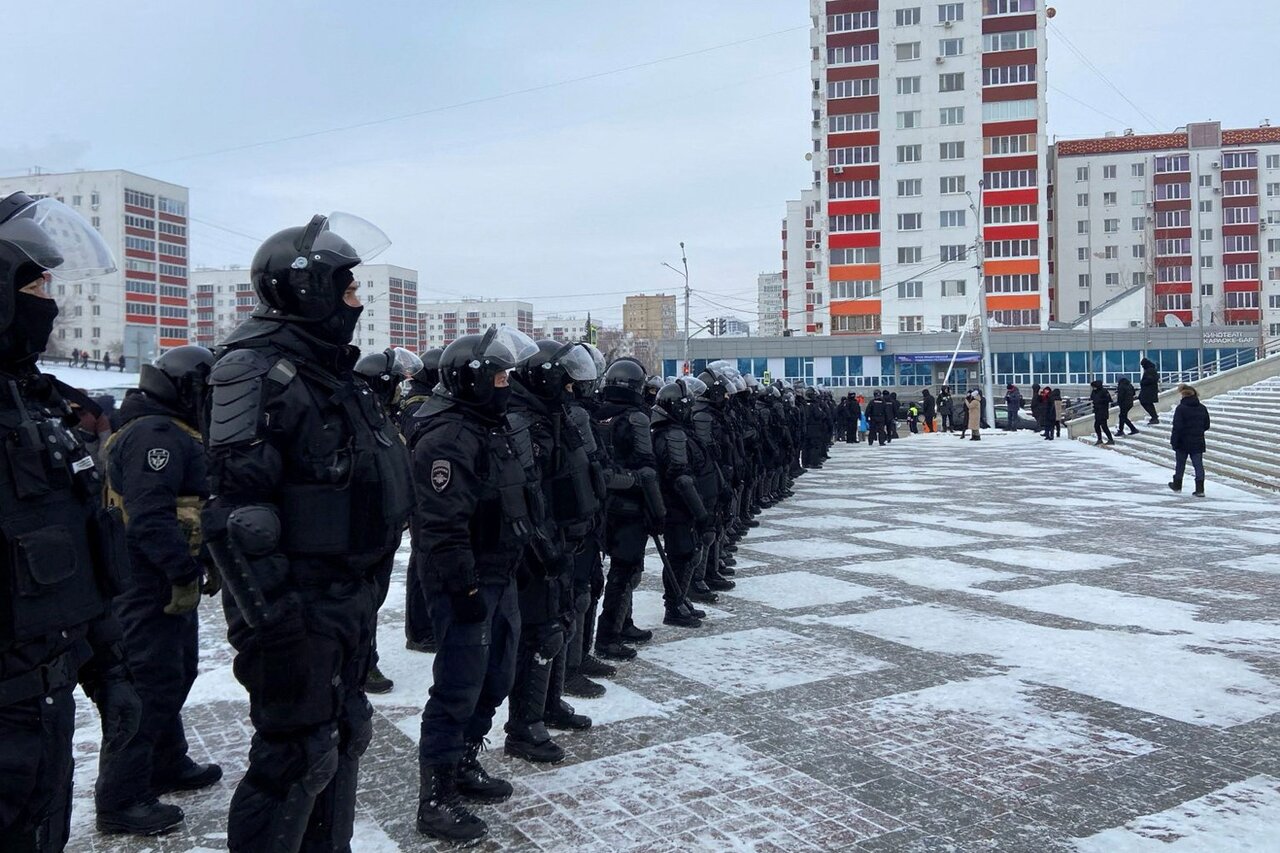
(687, 489)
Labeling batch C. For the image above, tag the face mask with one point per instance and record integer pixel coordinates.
(499, 400)
(30, 330)
(340, 326)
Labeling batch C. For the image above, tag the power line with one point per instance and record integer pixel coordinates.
(475, 101)
(1155, 125)
(1071, 97)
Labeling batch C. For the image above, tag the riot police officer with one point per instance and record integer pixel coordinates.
(418, 636)
(65, 553)
(635, 505)
(471, 525)
(682, 461)
(155, 470)
(311, 491)
(712, 428)
(541, 423)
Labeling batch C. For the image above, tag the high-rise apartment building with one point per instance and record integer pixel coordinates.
(142, 308)
(769, 304)
(441, 323)
(803, 297)
(650, 317)
(1182, 219)
(563, 327)
(928, 130)
(222, 299)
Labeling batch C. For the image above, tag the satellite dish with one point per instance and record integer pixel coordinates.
(1173, 321)
(809, 156)
(1050, 12)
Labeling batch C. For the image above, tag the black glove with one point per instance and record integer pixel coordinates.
(212, 578)
(468, 606)
(121, 710)
(550, 642)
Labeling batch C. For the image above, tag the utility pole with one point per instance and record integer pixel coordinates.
(984, 325)
(1088, 212)
(685, 261)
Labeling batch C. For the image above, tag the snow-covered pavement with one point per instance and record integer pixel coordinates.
(937, 645)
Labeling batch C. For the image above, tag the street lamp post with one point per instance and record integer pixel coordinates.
(984, 323)
(685, 262)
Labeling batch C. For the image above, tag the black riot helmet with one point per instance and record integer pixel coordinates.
(719, 386)
(553, 367)
(300, 273)
(179, 379)
(384, 371)
(624, 382)
(676, 399)
(469, 364)
(429, 375)
(587, 389)
(652, 386)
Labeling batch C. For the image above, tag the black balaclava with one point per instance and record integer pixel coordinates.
(340, 326)
(32, 324)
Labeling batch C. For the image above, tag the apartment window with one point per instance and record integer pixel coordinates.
(1180, 274)
(951, 82)
(911, 290)
(947, 254)
(838, 190)
(865, 289)
(839, 89)
(908, 85)
(908, 119)
(951, 219)
(1012, 248)
(96, 221)
(1009, 214)
(1139, 250)
(1008, 75)
(1173, 219)
(907, 50)
(1111, 226)
(1082, 226)
(853, 223)
(854, 121)
(1272, 245)
(1206, 180)
(1173, 302)
(1084, 307)
(910, 188)
(140, 199)
(948, 12)
(909, 154)
(1206, 262)
(1108, 198)
(1274, 330)
(1082, 254)
(1007, 7)
(1017, 40)
(910, 254)
(868, 255)
(1082, 173)
(94, 199)
(911, 324)
(1273, 301)
(1012, 283)
(1206, 235)
(951, 184)
(954, 322)
(1240, 215)
(1240, 160)
(1246, 243)
(1082, 200)
(1113, 279)
(1245, 299)
(1025, 317)
(1138, 170)
(139, 243)
(1138, 279)
(951, 150)
(1009, 180)
(1110, 253)
(1138, 197)
(909, 221)
(1167, 248)
(1273, 190)
(1172, 191)
(1018, 144)
(950, 47)
(1083, 279)
(907, 17)
(1173, 163)
(953, 287)
(1108, 171)
(1233, 188)
(169, 205)
(853, 54)
(1206, 207)
(855, 155)
(853, 21)
(1240, 272)
(948, 116)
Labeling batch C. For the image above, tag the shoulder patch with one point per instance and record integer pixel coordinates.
(441, 474)
(157, 458)
(282, 372)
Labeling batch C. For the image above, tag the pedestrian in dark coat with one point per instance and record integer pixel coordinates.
(1190, 423)
(945, 408)
(854, 416)
(1047, 418)
(1101, 399)
(929, 409)
(1150, 393)
(891, 408)
(1013, 404)
(877, 418)
(120, 361)
(1059, 412)
(1124, 399)
(106, 361)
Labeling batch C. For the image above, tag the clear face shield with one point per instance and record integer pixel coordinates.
(403, 363)
(58, 239)
(350, 237)
(504, 348)
(693, 387)
(577, 363)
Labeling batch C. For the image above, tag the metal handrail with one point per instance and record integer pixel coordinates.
(1222, 364)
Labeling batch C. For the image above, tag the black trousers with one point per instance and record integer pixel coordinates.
(35, 772)
(471, 675)
(1125, 422)
(310, 716)
(417, 617)
(1150, 409)
(1100, 427)
(163, 655)
(625, 541)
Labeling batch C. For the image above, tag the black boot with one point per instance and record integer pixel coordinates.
(1176, 484)
(474, 783)
(376, 682)
(701, 593)
(150, 818)
(1199, 492)
(689, 609)
(441, 814)
(715, 581)
(532, 742)
(192, 777)
(563, 717)
(596, 668)
(614, 650)
(631, 634)
(679, 618)
(427, 646)
(578, 685)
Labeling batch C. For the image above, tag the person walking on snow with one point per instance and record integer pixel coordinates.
(1150, 393)
(1059, 412)
(973, 408)
(1124, 399)
(1101, 399)
(1190, 423)
(1048, 418)
(1013, 405)
(928, 407)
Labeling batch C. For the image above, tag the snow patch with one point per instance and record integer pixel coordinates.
(930, 573)
(791, 590)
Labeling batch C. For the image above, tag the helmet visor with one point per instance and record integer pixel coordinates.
(577, 362)
(344, 233)
(505, 347)
(693, 386)
(58, 239)
(404, 363)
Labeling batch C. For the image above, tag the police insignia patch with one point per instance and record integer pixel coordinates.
(157, 458)
(441, 473)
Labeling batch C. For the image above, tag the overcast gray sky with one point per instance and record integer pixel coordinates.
(570, 195)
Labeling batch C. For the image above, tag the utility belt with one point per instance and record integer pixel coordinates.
(45, 679)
